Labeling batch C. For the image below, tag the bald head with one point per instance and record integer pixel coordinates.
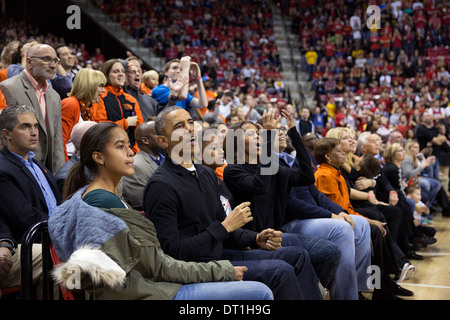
(38, 49)
(143, 129)
(78, 131)
(145, 135)
(41, 62)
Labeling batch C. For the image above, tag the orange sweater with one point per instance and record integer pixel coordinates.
(331, 183)
(2, 101)
(145, 89)
(70, 115)
(3, 74)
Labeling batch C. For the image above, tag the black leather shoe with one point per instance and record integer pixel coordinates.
(420, 242)
(414, 256)
(430, 240)
(397, 290)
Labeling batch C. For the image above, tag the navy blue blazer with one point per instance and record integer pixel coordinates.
(22, 203)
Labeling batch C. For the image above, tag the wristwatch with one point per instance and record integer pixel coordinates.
(9, 246)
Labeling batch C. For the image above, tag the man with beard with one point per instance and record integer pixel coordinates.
(31, 88)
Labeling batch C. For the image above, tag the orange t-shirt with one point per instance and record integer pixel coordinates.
(219, 171)
(210, 95)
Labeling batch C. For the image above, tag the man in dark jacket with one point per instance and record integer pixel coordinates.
(29, 192)
(182, 200)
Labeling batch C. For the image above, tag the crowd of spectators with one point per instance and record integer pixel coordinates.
(232, 41)
(381, 79)
(20, 31)
(113, 90)
(363, 77)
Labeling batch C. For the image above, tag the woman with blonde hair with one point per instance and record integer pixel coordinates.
(412, 168)
(365, 202)
(351, 159)
(394, 155)
(87, 88)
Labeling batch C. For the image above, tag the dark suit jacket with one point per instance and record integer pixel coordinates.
(133, 186)
(22, 203)
(18, 91)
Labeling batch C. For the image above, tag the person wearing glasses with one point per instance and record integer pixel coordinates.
(331, 182)
(129, 260)
(31, 87)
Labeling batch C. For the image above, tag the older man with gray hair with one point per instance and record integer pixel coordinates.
(31, 88)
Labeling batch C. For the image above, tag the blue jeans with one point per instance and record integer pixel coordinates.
(324, 255)
(354, 244)
(287, 271)
(430, 188)
(411, 204)
(230, 290)
(432, 171)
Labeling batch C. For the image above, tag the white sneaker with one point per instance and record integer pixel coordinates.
(407, 272)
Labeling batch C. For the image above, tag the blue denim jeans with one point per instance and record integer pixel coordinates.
(324, 254)
(432, 171)
(430, 188)
(354, 244)
(229, 290)
(287, 271)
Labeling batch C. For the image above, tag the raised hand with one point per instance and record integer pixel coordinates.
(177, 85)
(269, 122)
(288, 116)
(238, 217)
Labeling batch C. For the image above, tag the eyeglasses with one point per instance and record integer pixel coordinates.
(48, 59)
(281, 129)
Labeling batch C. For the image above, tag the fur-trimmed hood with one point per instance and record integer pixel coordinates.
(91, 261)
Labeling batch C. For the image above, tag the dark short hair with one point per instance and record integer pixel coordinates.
(61, 45)
(8, 117)
(324, 146)
(228, 94)
(369, 166)
(230, 116)
(161, 121)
